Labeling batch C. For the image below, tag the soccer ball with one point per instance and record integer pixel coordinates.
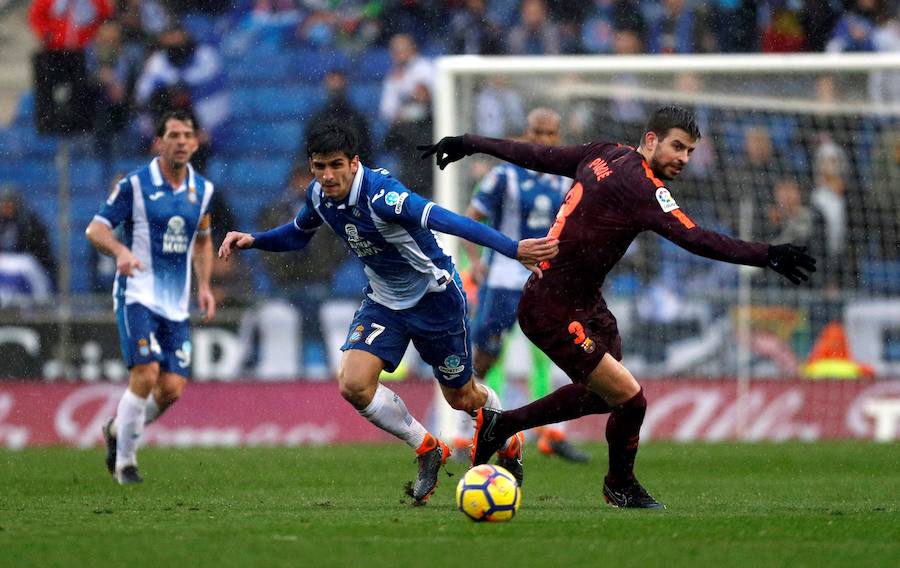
(488, 493)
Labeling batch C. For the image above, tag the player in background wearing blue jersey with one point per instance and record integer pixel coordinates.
(163, 208)
(414, 293)
(520, 203)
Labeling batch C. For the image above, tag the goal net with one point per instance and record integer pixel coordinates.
(802, 149)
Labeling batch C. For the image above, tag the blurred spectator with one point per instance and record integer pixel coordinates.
(352, 28)
(752, 175)
(499, 109)
(536, 33)
(473, 31)
(231, 283)
(114, 67)
(338, 105)
(406, 107)
(831, 225)
(789, 220)
(423, 20)
(142, 20)
(782, 30)
(856, 28)
(605, 19)
(733, 23)
(884, 85)
(305, 278)
(23, 233)
(673, 26)
(182, 75)
(569, 17)
(885, 201)
(818, 18)
(67, 24)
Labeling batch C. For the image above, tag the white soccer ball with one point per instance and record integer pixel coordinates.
(488, 493)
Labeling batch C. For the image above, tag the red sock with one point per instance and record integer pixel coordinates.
(566, 403)
(623, 435)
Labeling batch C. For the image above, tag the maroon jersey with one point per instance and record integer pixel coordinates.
(615, 197)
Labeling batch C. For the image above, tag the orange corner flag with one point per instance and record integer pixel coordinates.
(830, 357)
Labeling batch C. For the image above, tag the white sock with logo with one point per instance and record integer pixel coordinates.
(493, 401)
(151, 412)
(388, 411)
(130, 425)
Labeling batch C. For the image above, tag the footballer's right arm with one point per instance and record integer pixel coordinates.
(100, 234)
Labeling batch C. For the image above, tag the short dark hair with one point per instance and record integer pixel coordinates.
(182, 115)
(332, 136)
(668, 117)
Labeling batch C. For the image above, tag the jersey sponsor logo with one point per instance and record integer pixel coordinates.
(392, 198)
(452, 366)
(360, 246)
(600, 168)
(175, 239)
(399, 206)
(156, 195)
(665, 199)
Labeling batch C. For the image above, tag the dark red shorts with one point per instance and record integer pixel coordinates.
(575, 335)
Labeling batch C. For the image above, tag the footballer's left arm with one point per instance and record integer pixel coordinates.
(202, 259)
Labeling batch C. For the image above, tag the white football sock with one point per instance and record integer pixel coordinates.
(493, 401)
(130, 421)
(388, 411)
(151, 413)
(152, 410)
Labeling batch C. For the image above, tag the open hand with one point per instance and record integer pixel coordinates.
(534, 251)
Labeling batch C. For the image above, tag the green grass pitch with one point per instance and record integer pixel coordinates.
(823, 504)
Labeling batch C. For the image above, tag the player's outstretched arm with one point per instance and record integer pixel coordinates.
(529, 250)
(562, 160)
(791, 261)
(285, 238)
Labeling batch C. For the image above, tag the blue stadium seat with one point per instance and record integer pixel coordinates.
(295, 101)
(243, 103)
(255, 138)
(254, 69)
(310, 65)
(88, 175)
(263, 178)
(366, 97)
(372, 65)
(25, 110)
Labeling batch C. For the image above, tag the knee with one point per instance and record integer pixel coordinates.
(143, 378)
(356, 390)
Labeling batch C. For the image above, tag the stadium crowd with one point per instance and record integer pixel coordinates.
(257, 74)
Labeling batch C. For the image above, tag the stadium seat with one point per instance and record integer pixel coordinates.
(243, 105)
(366, 97)
(264, 177)
(295, 101)
(372, 65)
(256, 69)
(25, 110)
(310, 66)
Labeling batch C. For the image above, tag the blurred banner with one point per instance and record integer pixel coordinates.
(308, 413)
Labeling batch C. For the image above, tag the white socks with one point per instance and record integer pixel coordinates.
(388, 412)
(151, 413)
(130, 424)
(493, 401)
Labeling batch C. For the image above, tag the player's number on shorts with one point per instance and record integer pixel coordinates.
(377, 331)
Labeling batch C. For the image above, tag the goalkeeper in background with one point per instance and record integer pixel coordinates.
(520, 203)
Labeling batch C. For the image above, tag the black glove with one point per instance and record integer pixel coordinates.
(787, 260)
(448, 149)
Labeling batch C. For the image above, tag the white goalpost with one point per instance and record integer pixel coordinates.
(816, 136)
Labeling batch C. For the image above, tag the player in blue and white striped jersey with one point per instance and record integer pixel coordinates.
(521, 203)
(414, 293)
(163, 208)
